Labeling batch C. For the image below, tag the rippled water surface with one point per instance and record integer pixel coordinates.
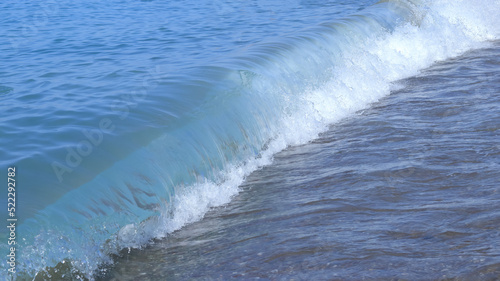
(66, 65)
(408, 189)
(270, 139)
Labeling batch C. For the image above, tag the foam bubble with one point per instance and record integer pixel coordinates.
(364, 74)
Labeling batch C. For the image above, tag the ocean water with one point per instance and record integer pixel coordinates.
(407, 189)
(310, 140)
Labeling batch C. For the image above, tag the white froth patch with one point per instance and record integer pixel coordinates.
(366, 74)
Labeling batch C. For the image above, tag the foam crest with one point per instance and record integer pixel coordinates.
(281, 94)
(365, 74)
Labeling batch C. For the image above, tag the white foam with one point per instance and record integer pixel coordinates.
(364, 75)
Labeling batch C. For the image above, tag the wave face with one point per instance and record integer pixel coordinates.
(164, 156)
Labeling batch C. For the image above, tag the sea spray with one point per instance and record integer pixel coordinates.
(229, 118)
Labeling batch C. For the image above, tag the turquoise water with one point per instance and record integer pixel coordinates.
(405, 190)
(128, 120)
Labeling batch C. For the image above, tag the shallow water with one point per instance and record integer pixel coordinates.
(408, 189)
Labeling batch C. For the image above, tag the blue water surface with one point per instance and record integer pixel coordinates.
(127, 120)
